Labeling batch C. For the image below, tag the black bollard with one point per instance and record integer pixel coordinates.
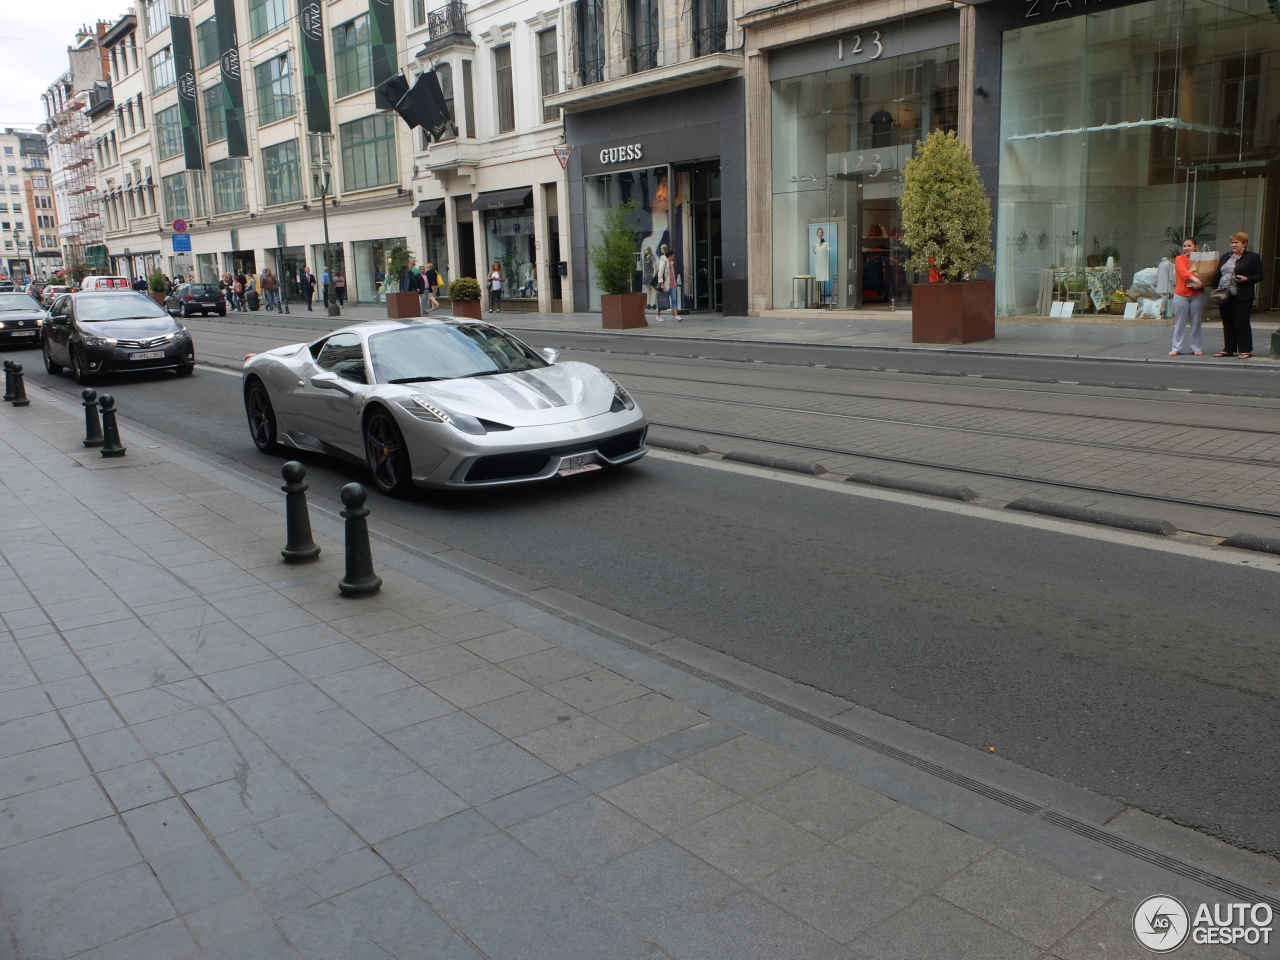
(359, 580)
(8, 380)
(299, 547)
(19, 398)
(92, 425)
(110, 429)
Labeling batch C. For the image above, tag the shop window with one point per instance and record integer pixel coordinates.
(591, 40)
(281, 172)
(369, 152)
(505, 90)
(509, 242)
(352, 56)
(207, 42)
(215, 117)
(168, 132)
(658, 216)
(274, 82)
(228, 185)
(548, 72)
(266, 15)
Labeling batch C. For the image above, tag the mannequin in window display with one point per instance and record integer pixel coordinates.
(821, 267)
(882, 129)
(649, 276)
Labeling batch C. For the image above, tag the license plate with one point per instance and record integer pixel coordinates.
(149, 355)
(24, 333)
(575, 467)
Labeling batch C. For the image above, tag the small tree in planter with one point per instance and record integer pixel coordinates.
(400, 305)
(464, 294)
(946, 223)
(156, 283)
(614, 261)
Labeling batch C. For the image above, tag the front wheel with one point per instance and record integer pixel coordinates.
(387, 455)
(262, 416)
(78, 372)
(49, 365)
(186, 370)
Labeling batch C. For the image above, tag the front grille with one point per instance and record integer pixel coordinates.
(622, 444)
(137, 344)
(508, 466)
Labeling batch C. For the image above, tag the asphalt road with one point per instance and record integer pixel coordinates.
(1143, 676)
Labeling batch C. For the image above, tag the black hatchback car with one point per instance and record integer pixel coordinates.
(201, 298)
(99, 333)
(20, 316)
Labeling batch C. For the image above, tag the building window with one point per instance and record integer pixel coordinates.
(548, 72)
(275, 90)
(591, 53)
(215, 118)
(353, 56)
(162, 74)
(710, 26)
(266, 15)
(642, 38)
(168, 132)
(176, 204)
(207, 42)
(228, 185)
(419, 12)
(156, 13)
(506, 93)
(369, 152)
(444, 73)
(468, 100)
(282, 172)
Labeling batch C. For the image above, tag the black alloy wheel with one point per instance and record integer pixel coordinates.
(262, 416)
(78, 372)
(185, 370)
(186, 312)
(222, 310)
(386, 453)
(53, 368)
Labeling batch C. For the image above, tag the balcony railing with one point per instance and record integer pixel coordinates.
(644, 56)
(448, 21)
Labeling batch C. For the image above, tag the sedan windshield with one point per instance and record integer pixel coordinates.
(117, 306)
(10, 302)
(447, 351)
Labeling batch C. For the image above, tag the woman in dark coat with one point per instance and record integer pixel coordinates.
(1239, 273)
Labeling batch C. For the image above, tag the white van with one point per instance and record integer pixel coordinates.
(105, 283)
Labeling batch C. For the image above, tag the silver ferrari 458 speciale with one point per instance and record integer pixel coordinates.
(441, 403)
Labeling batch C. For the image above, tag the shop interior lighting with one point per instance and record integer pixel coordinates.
(1171, 122)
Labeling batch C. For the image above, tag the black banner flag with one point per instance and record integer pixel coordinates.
(224, 12)
(185, 66)
(315, 75)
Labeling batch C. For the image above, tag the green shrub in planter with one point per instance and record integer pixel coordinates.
(464, 288)
(614, 260)
(946, 215)
(157, 281)
(398, 257)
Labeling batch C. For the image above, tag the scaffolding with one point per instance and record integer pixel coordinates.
(71, 129)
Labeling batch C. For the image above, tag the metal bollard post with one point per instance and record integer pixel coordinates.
(359, 580)
(92, 425)
(299, 546)
(8, 380)
(110, 429)
(19, 398)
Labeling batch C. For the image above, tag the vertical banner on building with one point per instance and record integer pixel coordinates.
(185, 66)
(315, 75)
(232, 90)
(382, 40)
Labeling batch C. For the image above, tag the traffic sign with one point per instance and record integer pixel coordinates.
(181, 242)
(180, 226)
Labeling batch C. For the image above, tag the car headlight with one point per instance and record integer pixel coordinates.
(99, 342)
(182, 334)
(621, 399)
(422, 408)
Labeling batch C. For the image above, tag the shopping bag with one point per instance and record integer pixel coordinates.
(1204, 264)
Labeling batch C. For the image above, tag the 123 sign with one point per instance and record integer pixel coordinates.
(872, 48)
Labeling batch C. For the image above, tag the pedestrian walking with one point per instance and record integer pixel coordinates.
(668, 280)
(270, 290)
(307, 283)
(649, 275)
(495, 288)
(326, 281)
(1188, 303)
(1239, 273)
(340, 287)
(432, 279)
(237, 292)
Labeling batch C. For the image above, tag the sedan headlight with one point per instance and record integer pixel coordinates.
(621, 399)
(422, 408)
(99, 342)
(182, 334)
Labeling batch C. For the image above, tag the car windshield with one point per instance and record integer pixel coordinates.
(117, 306)
(447, 351)
(10, 302)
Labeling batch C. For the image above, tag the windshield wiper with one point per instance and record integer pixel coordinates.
(482, 373)
(417, 379)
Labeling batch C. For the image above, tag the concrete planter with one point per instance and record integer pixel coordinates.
(403, 305)
(158, 296)
(467, 308)
(622, 311)
(953, 312)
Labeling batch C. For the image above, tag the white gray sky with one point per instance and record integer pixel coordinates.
(34, 36)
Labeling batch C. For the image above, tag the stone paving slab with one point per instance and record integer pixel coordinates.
(211, 754)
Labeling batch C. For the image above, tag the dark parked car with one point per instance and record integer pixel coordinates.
(201, 298)
(20, 316)
(98, 333)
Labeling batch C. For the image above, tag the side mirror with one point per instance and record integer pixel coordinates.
(329, 381)
(550, 354)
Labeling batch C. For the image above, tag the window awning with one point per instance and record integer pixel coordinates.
(429, 208)
(503, 199)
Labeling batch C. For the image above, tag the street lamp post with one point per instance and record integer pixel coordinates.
(322, 188)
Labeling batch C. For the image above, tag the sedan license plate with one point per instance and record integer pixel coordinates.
(23, 333)
(149, 355)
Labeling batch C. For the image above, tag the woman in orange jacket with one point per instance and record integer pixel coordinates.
(1188, 303)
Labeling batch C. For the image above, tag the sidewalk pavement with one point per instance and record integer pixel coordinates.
(1015, 336)
(208, 753)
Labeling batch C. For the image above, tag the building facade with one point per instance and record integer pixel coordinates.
(28, 217)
